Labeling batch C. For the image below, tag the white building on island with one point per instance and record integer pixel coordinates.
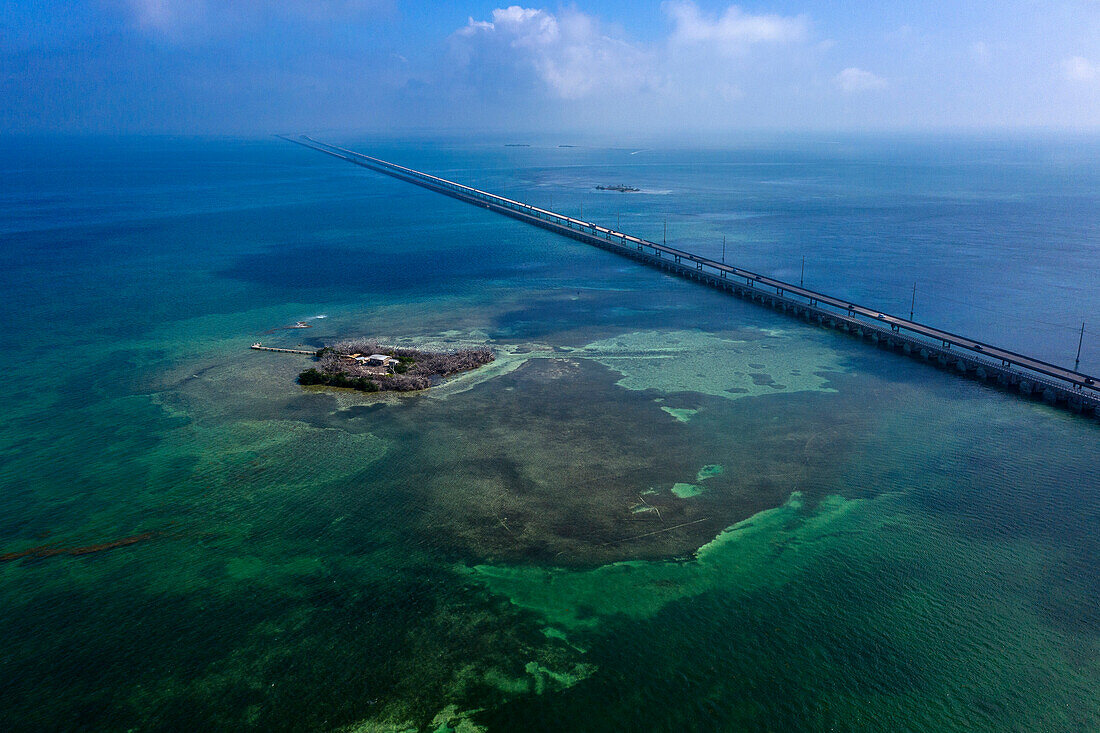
(381, 360)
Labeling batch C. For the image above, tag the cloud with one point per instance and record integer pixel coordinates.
(165, 16)
(525, 27)
(473, 27)
(573, 56)
(853, 81)
(980, 53)
(569, 54)
(734, 30)
(182, 19)
(1079, 68)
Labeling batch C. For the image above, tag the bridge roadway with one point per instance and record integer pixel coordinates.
(1082, 384)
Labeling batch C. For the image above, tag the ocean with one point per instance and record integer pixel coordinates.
(660, 508)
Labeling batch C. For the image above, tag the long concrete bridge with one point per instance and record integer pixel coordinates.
(1057, 385)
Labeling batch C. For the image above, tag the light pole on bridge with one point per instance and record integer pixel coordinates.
(1081, 340)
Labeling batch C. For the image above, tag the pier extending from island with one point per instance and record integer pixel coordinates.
(976, 359)
(261, 347)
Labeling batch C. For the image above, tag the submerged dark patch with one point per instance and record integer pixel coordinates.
(537, 466)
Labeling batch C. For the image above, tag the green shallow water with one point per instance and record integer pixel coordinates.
(660, 508)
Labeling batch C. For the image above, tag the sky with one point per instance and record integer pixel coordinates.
(674, 67)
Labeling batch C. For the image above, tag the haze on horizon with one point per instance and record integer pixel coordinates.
(682, 66)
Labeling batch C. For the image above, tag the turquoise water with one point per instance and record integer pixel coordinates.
(661, 508)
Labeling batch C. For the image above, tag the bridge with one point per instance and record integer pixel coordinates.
(1030, 376)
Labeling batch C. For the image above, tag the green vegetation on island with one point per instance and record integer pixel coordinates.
(368, 366)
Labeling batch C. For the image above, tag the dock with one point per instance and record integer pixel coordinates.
(973, 358)
(260, 347)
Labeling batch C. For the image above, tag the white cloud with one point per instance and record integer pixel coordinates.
(570, 54)
(853, 81)
(981, 53)
(180, 18)
(734, 30)
(1079, 68)
(166, 15)
(475, 26)
(523, 26)
(573, 56)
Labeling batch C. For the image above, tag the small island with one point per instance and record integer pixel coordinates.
(620, 188)
(368, 366)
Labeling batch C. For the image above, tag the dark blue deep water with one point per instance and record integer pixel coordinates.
(661, 508)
